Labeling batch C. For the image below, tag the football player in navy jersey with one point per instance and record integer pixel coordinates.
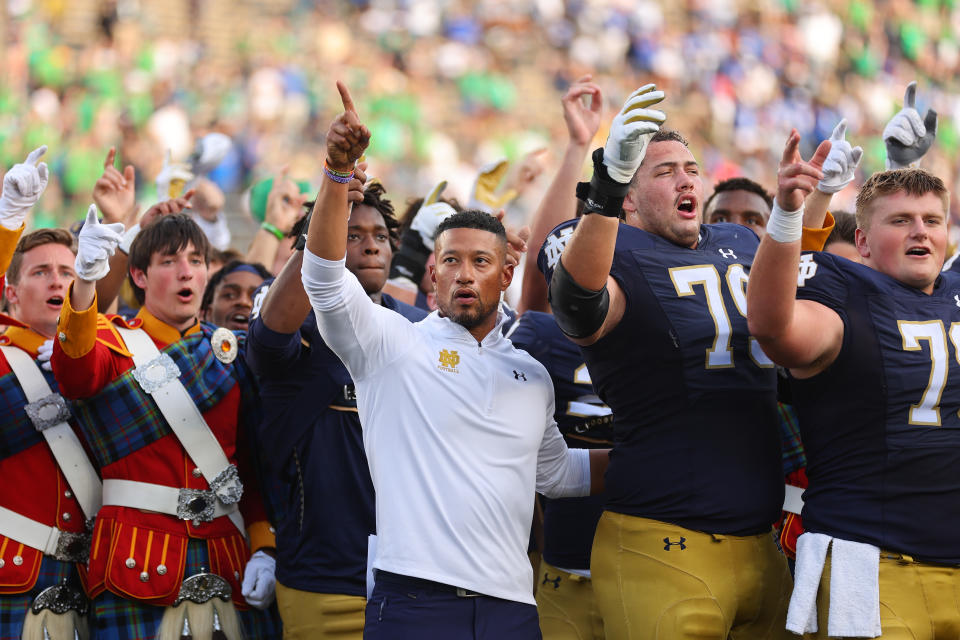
(311, 443)
(873, 350)
(658, 305)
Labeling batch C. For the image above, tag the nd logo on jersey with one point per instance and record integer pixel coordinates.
(449, 361)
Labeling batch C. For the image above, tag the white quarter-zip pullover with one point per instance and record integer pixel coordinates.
(458, 434)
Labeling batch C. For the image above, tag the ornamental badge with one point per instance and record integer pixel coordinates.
(224, 345)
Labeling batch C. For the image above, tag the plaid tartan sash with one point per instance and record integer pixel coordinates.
(17, 432)
(122, 418)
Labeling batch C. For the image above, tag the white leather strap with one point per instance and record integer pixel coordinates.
(792, 499)
(29, 532)
(177, 407)
(160, 498)
(63, 442)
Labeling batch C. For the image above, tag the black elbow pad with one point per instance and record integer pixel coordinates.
(579, 312)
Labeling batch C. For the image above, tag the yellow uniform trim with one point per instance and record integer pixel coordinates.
(25, 338)
(77, 330)
(8, 243)
(815, 239)
(261, 536)
(160, 330)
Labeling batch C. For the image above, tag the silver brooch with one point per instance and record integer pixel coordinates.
(224, 345)
(59, 599)
(156, 373)
(227, 485)
(202, 588)
(48, 411)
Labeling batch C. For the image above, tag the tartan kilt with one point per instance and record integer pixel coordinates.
(116, 618)
(13, 607)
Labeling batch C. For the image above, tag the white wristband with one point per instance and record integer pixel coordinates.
(128, 237)
(785, 226)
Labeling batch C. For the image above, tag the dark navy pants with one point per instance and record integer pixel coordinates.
(411, 609)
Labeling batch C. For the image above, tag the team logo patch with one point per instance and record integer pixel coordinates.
(667, 543)
(519, 375)
(554, 244)
(728, 254)
(808, 269)
(224, 345)
(449, 361)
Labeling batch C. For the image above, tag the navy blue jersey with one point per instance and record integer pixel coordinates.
(311, 446)
(696, 435)
(585, 422)
(880, 424)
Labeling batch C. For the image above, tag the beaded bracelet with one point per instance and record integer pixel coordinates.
(341, 177)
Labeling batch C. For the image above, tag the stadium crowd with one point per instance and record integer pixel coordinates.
(701, 389)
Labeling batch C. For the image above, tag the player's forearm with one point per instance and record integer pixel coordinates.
(559, 204)
(108, 287)
(263, 248)
(589, 252)
(327, 235)
(772, 289)
(286, 305)
(599, 461)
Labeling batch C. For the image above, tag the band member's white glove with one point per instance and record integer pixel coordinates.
(44, 352)
(842, 162)
(172, 179)
(430, 214)
(96, 243)
(906, 137)
(22, 187)
(259, 580)
(631, 132)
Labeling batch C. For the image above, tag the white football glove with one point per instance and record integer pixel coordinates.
(259, 580)
(95, 244)
(44, 353)
(430, 215)
(906, 136)
(22, 187)
(631, 131)
(172, 179)
(842, 162)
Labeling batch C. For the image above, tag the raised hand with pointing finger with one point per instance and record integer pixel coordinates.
(95, 244)
(906, 136)
(347, 137)
(631, 131)
(22, 187)
(841, 163)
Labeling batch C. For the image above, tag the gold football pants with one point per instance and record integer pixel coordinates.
(319, 616)
(657, 581)
(567, 606)
(918, 601)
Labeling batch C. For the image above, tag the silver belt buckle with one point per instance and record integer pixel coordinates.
(466, 593)
(196, 505)
(48, 411)
(155, 374)
(73, 547)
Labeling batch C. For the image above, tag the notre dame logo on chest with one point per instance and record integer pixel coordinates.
(449, 361)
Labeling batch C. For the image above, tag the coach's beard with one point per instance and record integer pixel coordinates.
(469, 317)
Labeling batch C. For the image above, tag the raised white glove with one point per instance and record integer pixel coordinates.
(172, 179)
(44, 353)
(841, 163)
(259, 580)
(22, 187)
(96, 243)
(430, 215)
(631, 131)
(906, 136)
(210, 151)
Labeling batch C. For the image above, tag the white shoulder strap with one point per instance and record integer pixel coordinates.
(49, 414)
(159, 376)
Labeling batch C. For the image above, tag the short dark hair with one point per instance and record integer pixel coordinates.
(374, 196)
(740, 183)
(668, 135)
(474, 219)
(844, 228)
(33, 240)
(219, 276)
(168, 235)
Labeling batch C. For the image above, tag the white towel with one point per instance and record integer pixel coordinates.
(811, 554)
(854, 590)
(854, 609)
